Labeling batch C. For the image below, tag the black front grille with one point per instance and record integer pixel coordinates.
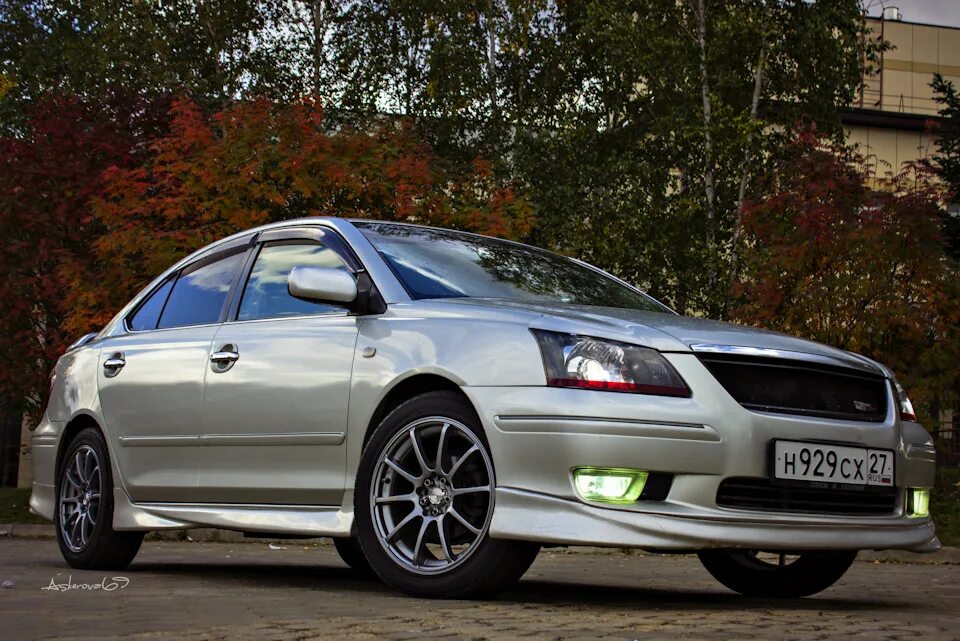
(798, 387)
(762, 495)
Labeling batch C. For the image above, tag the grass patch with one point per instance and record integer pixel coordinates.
(15, 506)
(945, 505)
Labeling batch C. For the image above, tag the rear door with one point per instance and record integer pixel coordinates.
(151, 378)
(275, 405)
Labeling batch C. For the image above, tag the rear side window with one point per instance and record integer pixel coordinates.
(266, 294)
(149, 313)
(199, 294)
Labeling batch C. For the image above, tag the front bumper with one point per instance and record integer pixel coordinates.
(538, 517)
(538, 435)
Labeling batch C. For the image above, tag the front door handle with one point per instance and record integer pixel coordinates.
(113, 365)
(224, 358)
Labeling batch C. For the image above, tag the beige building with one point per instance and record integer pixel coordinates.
(890, 119)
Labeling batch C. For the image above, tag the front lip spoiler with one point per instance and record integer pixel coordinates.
(767, 352)
(520, 514)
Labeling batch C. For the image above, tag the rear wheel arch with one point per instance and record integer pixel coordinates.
(76, 425)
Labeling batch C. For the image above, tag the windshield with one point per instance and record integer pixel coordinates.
(436, 263)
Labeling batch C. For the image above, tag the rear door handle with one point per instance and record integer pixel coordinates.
(224, 358)
(113, 365)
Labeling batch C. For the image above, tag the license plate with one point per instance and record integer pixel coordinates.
(822, 463)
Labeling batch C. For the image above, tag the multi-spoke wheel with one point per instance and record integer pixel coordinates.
(84, 511)
(80, 497)
(431, 499)
(777, 574)
(425, 498)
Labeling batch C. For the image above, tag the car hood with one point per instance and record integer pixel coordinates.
(673, 333)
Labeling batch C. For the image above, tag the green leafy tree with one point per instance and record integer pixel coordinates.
(660, 115)
(637, 127)
(102, 50)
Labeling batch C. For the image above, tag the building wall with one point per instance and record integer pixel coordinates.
(901, 85)
(887, 149)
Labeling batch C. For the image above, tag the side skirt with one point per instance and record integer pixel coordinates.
(307, 520)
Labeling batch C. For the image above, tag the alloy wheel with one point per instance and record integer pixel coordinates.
(432, 495)
(80, 491)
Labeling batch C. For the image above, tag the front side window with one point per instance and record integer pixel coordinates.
(266, 294)
(199, 294)
(436, 263)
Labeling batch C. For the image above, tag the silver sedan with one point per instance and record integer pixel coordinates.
(443, 404)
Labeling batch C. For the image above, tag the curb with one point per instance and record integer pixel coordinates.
(948, 555)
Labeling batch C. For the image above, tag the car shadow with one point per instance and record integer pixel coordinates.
(273, 575)
(528, 592)
(540, 592)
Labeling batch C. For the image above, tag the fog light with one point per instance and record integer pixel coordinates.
(918, 502)
(611, 485)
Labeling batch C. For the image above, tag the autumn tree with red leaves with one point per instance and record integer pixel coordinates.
(258, 162)
(838, 255)
(48, 177)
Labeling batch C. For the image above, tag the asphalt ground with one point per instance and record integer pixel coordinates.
(193, 591)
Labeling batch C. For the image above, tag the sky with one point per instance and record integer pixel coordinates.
(938, 12)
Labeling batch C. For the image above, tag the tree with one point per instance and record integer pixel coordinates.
(47, 178)
(649, 118)
(705, 91)
(831, 259)
(258, 162)
(947, 159)
(103, 50)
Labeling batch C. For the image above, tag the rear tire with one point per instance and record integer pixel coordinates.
(84, 508)
(745, 572)
(423, 518)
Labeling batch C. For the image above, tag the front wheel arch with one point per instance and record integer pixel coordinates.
(407, 389)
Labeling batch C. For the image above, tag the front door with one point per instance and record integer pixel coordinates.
(277, 388)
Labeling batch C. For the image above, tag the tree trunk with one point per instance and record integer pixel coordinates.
(492, 59)
(713, 303)
(708, 176)
(747, 160)
(319, 35)
(11, 422)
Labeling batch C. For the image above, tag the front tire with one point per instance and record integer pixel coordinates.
(351, 554)
(84, 510)
(424, 501)
(779, 575)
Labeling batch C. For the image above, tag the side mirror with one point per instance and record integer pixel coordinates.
(322, 284)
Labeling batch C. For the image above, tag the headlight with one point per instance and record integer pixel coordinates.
(571, 360)
(906, 407)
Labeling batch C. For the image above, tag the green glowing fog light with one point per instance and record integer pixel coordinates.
(612, 485)
(918, 501)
